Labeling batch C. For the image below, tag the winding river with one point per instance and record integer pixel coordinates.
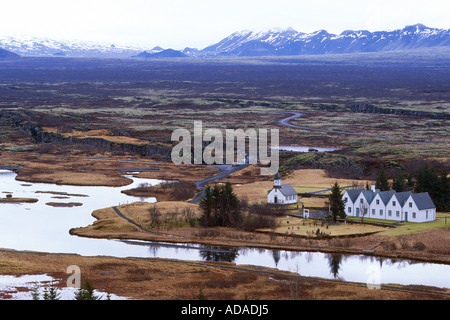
(40, 227)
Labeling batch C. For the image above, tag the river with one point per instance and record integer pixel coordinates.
(40, 227)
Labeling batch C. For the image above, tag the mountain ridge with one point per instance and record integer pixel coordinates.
(291, 42)
(272, 42)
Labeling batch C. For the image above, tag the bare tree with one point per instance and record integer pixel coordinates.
(363, 210)
(155, 217)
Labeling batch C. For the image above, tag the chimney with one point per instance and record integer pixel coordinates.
(372, 187)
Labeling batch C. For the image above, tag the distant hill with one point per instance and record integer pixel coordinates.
(168, 53)
(44, 47)
(5, 54)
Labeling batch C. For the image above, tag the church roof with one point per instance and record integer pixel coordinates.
(285, 189)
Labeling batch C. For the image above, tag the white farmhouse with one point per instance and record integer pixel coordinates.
(389, 205)
(281, 193)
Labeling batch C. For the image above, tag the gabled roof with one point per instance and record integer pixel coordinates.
(369, 195)
(402, 196)
(286, 190)
(423, 201)
(386, 196)
(353, 194)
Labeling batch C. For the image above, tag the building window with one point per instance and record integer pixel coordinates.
(360, 200)
(373, 212)
(381, 212)
(378, 201)
(427, 215)
(393, 203)
(397, 214)
(389, 213)
(349, 209)
(410, 204)
(414, 215)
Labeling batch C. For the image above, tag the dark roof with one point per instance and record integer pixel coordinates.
(402, 196)
(353, 193)
(423, 201)
(369, 195)
(386, 196)
(285, 189)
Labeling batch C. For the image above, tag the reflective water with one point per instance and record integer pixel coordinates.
(39, 227)
(304, 149)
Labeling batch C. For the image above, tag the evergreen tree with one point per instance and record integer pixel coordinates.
(437, 185)
(217, 211)
(337, 205)
(53, 293)
(231, 212)
(410, 182)
(399, 182)
(382, 182)
(443, 192)
(49, 293)
(220, 206)
(35, 292)
(206, 205)
(427, 180)
(86, 292)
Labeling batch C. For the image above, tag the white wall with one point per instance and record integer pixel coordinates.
(281, 199)
(348, 204)
(394, 207)
(416, 215)
(357, 204)
(377, 206)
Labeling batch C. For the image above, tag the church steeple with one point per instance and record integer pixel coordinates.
(277, 180)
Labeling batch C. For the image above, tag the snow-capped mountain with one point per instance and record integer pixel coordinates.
(44, 47)
(275, 42)
(291, 42)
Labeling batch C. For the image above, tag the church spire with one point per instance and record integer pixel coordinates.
(277, 180)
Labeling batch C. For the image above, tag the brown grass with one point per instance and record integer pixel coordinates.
(303, 180)
(160, 279)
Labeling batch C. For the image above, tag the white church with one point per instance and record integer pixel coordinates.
(281, 193)
(389, 205)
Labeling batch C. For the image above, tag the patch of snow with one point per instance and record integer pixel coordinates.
(21, 288)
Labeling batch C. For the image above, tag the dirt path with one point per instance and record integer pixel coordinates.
(225, 169)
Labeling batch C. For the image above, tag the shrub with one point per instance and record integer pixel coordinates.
(419, 246)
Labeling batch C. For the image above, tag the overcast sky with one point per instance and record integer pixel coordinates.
(198, 23)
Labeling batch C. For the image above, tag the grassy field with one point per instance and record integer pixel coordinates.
(308, 228)
(442, 222)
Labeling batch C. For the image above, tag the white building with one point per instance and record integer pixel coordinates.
(389, 205)
(281, 193)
